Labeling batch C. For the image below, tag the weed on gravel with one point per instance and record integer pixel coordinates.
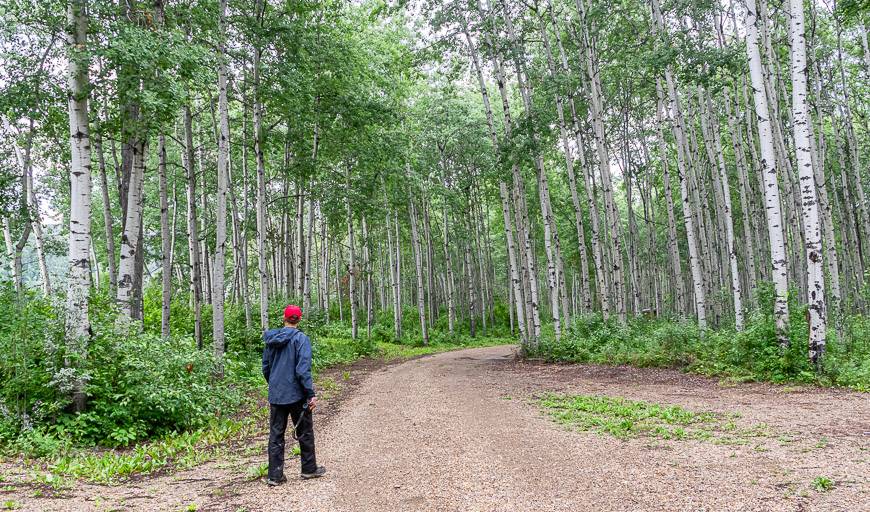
(624, 419)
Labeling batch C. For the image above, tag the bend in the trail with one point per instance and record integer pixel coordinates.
(461, 431)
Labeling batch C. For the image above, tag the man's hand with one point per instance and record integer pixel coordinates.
(312, 403)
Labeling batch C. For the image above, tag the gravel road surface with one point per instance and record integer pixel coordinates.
(461, 431)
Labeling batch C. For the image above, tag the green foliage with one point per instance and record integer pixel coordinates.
(823, 484)
(157, 397)
(624, 418)
(138, 385)
(753, 354)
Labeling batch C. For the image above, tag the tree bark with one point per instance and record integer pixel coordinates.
(107, 217)
(192, 227)
(221, 196)
(165, 257)
(259, 151)
(769, 173)
(352, 256)
(803, 137)
(130, 235)
(729, 221)
(77, 323)
(418, 267)
(673, 247)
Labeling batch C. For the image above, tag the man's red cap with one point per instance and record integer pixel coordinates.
(292, 310)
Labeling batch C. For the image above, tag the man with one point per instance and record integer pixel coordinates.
(287, 369)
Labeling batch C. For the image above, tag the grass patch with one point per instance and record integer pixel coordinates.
(258, 471)
(823, 484)
(393, 351)
(624, 419)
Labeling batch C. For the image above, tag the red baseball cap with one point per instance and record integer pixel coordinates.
(292, 310)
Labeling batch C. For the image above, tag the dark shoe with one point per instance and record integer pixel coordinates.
(319, 472)
(275, 483)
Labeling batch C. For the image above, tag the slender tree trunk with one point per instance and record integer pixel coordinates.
(130, 235)
(246, 299)
(430, 264)
(673, 247)
(572, 181)
(469, 281)
(165, 257)
(418, 267)
(352, 255)
(745, 207)
(107, 217)
(29, 204)
(729, 222)
(367, 271)
(192, 227)
(769, 173)
(77, 323)
(259, 151)
(221, 199)
(299, 260)
(394, 278)
(449, 285)
(593, 82)
(803, 137)
(551, 242)
(204, 223)
(513, 260)
(338, 294)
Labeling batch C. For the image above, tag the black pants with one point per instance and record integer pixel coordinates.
(305, 433)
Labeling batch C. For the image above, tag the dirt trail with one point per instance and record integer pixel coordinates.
(459, 432)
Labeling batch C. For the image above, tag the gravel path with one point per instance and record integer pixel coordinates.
(459, 432)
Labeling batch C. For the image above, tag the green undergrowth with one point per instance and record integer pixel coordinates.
(393, 351)
(753, 354)
(154, 404)
(625, 419)
(177, 451)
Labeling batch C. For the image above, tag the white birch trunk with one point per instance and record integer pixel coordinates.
(769, 174)
(593, 82)
(513, 259)
(572, 180)
(352, 263)
(678, 127)
(418, 267)
(673, 247)
(394, 278)
(193, 227)
(810, 212)
(77, 322)
(259, 151)
(223, 158)
(165, 239)
(130, 235)
(107, 217)
(729, 221)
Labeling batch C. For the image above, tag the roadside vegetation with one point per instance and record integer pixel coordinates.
(753, 354)
(155, 403)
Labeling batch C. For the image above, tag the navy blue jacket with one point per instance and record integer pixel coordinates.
(287, 365)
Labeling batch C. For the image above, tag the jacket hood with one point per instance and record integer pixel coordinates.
(278, 338)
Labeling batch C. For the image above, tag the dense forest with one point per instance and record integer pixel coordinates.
(679, 177)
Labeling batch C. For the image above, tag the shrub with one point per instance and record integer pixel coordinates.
(752, 354)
